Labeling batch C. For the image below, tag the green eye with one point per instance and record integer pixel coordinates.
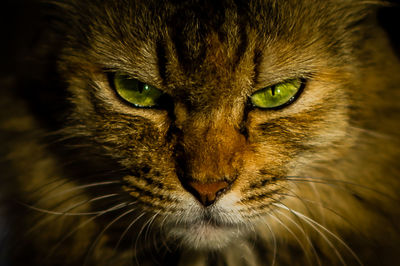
(277, 95)
(136, 92)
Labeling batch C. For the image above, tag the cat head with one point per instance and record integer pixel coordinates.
(212, 107)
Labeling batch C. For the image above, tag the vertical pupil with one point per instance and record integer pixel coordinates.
(273, 90)
(141, 86)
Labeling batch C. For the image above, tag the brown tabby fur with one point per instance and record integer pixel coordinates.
(91, 180)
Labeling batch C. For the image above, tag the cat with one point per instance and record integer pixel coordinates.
(258, 132)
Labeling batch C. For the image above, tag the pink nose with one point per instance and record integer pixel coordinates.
(207, 193)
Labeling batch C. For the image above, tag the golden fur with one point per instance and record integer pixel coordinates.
(100, 182)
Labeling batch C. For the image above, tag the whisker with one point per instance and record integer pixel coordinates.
(64, 182)
(296, 196)
(138, 236)
(43, 187)
(50, 218)
(148, 227)
(317, 194)
(294, 235)
(81, 225)
(316, 229)
(337, 238)
(326, 230)
(322, 205)
(147, 231)
(66, 213)
(163, 240)
(304, 233)
(275, 244)
(54, 195)
(126, 231)
(40, 220)
(374, 134)
(94, 244)
(81, 187)
(326, 181)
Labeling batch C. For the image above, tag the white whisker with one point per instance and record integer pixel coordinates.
(81, 225)
(92, 247)
(126, 231)
(51, 196)
(337, 183)
(275, 244)
(304, 233)
(311, 221)
(294, 235)
(66, 213)
(138, 236)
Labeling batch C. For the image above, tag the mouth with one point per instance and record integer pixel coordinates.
(208, 219)
(205, 236)
(207, 231)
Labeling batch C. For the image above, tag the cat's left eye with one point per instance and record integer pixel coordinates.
(136, 92)
(278, 95)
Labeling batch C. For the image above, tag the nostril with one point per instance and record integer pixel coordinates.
(207, 193)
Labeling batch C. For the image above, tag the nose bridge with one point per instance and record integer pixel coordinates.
(212, 149)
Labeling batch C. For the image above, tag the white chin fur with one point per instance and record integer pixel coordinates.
(205, 237)
(193, 227)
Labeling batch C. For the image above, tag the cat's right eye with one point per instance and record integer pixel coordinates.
(136, 92)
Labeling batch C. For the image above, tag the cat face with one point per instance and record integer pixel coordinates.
(210, 163)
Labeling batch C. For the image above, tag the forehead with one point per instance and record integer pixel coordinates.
(208, 38)
(195, 19)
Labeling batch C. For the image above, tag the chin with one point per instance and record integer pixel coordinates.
(206, 236)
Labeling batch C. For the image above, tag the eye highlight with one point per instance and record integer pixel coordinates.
(136, 92)
(278, 95)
